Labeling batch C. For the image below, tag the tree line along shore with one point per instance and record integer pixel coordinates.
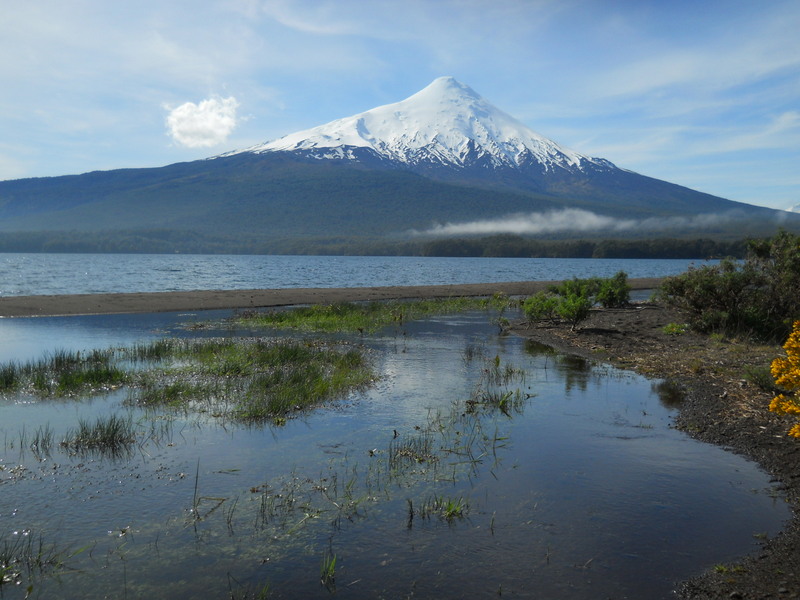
(170, 241)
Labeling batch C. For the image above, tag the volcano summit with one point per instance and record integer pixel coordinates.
(444, 156)
(447, 124)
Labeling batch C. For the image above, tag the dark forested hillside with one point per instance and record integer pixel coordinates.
(279, 203)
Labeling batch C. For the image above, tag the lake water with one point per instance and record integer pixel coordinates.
(31, 274)
(582, 490)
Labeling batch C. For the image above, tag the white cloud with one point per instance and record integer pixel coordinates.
(203, 125)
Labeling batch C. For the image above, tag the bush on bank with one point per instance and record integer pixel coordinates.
(758, 297)
(572, 300)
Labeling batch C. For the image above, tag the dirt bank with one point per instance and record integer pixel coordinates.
(721, 406)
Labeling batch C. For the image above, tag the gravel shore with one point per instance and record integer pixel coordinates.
(89, 304)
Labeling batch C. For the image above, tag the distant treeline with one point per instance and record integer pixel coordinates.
(516, 246)
(512, 246)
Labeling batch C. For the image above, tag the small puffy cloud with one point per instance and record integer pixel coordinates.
(202, 125)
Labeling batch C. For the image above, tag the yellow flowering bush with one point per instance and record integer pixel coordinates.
(786, 371)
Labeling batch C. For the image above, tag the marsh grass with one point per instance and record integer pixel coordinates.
(492, 391)
(247, 379)
(64, 373)
(42, 441)
(366, 317)
(497, 373)
(328, 570)
(170, 391)
(506, 401)
(9, 376)
(447, 509)
(161, 349)
(112, 434)
(251, 380)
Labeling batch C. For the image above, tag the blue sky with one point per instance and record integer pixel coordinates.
(705, 94)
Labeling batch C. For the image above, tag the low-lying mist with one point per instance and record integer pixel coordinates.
(578, 220)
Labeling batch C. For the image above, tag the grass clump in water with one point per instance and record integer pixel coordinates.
(327, 576)
(253, 380)
(9, 376)
(366, 317)
(64, 373)
(444, 508)
(42, 441)
(111, 434)
(248, 379)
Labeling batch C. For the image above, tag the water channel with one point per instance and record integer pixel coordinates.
(577, 488)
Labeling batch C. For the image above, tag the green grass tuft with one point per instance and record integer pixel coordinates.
(106, 434)
(366, 317)
(252, 380)
(64, 373)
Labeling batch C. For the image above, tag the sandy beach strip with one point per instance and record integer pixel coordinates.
(146, 302)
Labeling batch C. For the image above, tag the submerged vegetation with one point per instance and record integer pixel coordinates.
(24, 556)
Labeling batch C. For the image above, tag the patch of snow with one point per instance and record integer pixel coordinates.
(445, 123)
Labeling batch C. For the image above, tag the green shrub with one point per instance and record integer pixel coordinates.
(540, 307)
(572, 300)
(574, 308)
(614, 292)
(759, 296)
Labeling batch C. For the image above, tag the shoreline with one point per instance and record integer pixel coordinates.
(153, 302)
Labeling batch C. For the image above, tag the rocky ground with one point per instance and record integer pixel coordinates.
(725, 403)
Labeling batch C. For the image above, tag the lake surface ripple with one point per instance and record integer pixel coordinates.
(34, 274)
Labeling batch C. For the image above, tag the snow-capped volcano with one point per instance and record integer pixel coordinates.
(445, 124)
(443, 160)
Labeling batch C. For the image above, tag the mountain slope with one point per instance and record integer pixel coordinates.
(443, 155)
(268, 195)
(450, 133)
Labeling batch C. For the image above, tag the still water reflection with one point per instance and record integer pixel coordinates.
(577, 488)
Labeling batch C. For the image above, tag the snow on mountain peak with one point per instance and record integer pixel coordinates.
(446, 123)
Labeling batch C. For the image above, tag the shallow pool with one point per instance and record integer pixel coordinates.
(565, 479)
